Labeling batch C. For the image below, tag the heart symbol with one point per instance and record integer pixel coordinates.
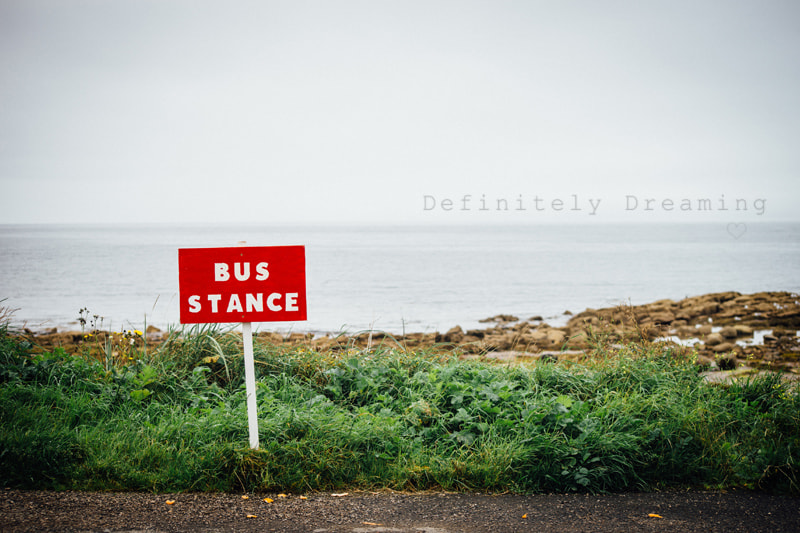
(737, 230)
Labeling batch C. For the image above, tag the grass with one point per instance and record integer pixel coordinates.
(173, 418)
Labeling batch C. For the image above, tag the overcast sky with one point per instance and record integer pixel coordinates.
(380, 111)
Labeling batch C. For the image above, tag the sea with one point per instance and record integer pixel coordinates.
(394, 278)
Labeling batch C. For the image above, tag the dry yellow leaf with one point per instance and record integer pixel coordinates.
(303, 497)
(525, 515)
(371, 524)
(339, 495)
(244, 497)
(268, 500)
(252, 516)
(281, 495)
(653, 515)
(170, 502)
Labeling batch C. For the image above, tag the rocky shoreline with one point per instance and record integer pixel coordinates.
(728, 331)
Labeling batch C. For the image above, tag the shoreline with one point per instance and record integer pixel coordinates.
(362, 279)
(727, 331)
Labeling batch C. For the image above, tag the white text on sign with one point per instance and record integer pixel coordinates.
(254, 303)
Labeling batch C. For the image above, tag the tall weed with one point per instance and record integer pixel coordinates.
(174, 418)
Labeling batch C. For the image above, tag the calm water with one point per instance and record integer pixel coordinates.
(396, 278)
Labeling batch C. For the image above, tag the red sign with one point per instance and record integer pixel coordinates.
(242, 284)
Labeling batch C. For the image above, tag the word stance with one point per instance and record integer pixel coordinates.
(242, 284)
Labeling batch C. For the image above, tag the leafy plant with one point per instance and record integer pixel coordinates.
(173, 418)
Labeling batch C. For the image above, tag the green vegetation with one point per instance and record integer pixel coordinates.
(173, 418)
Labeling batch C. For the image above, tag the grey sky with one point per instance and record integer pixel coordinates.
(291, 112)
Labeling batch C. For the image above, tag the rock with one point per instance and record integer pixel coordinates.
(500, 318)
(666, 303)
(270, 336)
(578, 340)
(546, 338)
(473, 347)
(706, 362)
(455, 334)
(693, 312)
(663, 317)
(589, 320)
(703, 330)
(509, 341)
(322, 344)
(727, 362)
(787, 318)
(496, 343)
(713, 339)
(556, 336)
(686, 332)
(296, 337)
(729, 332)
(725, 296)
(723, 347)
(538, 335)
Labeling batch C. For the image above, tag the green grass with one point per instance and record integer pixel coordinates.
(174, 418)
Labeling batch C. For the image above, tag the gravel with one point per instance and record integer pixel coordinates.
(395, 512)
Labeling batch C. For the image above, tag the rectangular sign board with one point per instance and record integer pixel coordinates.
(242, 284)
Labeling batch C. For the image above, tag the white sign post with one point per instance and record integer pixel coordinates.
(250, 383)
